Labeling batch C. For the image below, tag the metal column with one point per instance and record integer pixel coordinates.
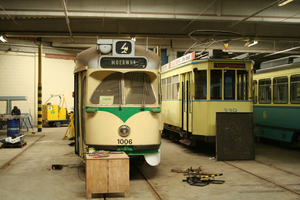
(40, 90)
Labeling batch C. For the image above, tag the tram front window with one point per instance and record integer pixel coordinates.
(229, 84)
(138, 89)
(242, 85)
(108, 92)
(216, 84)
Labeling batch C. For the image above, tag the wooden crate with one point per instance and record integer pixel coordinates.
(107, 174)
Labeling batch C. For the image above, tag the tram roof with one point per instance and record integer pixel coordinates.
(191, 59)
(90, 57)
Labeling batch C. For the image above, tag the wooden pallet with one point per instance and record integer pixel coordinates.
(107, 175)
(17, 145)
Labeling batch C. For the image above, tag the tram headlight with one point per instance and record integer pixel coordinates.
(105, 48)
(124, 131)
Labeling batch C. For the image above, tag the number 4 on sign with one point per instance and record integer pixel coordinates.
(124, 48)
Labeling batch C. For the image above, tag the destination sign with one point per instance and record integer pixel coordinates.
(123, 62)
(229, 65)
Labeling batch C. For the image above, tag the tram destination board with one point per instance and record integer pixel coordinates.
(123, 62)
(229, 65)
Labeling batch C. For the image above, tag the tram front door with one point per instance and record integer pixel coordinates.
(186, 110)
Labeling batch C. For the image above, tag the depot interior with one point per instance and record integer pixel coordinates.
(256, 30)
(59, 30)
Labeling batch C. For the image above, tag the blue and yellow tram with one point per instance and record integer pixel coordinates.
(277, 100)
(194, 91)
(117, 100)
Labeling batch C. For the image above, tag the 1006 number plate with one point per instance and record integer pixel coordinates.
(124, 141)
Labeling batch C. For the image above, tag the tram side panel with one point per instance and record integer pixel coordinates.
(171, 111)
(79, 89)
(204, 115)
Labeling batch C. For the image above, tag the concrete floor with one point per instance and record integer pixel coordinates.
(29, 176)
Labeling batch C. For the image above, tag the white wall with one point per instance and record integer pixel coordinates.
(19, 77)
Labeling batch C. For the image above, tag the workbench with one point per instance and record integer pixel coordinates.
(107, 174)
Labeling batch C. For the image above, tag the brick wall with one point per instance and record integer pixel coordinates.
(19, 77)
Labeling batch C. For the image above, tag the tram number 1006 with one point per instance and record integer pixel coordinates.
(124, 141)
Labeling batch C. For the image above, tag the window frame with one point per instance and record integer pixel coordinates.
(291, 77)
(202, 87)
(274, 91)
(259, 91)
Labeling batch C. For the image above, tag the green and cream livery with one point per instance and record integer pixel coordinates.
(117, 100)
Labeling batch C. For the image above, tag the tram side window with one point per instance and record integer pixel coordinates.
(255, 91)
(264, 91)
(175, 87)
(216, 84)
(138, 89)
(229, 84)
(164, 88)
(295, 89)
(169, 87)
(108, 92)
(200, 84)
(242, 84)
(280, 90)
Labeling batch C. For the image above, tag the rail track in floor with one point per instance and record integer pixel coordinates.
(17, 156)
(266, 179)
(149, 183)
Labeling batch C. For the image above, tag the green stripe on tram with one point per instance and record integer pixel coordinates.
(124, 113)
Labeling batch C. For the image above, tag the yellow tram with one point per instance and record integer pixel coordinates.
(193, 91)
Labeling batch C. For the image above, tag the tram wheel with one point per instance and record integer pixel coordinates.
(296, 140)
(58, 124)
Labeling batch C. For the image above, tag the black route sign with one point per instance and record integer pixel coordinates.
(123, 47)
(123, 62)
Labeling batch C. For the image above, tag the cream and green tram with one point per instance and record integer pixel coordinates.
(194, 91)
(116, 100)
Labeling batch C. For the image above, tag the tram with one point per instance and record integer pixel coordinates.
(195, 90)
(117, 104)
(277, 100)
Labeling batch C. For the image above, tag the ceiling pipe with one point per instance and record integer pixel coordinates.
(246, 18)
(286, 50)
(67, 19)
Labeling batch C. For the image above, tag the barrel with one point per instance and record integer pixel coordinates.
(12, 127)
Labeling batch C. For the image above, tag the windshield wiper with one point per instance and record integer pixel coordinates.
(145, 92)
(120, 95)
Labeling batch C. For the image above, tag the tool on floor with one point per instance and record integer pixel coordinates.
(197, 177)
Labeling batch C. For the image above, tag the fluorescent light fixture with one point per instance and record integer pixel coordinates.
(251, 43)
(3, 39)
(284, 2)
